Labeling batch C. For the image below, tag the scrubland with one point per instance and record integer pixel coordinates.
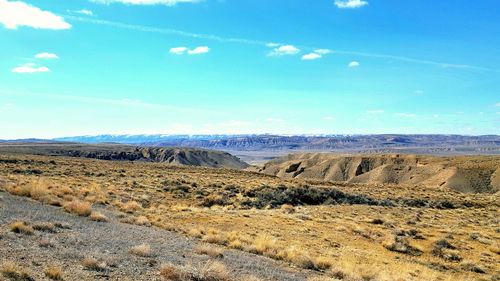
(329, 231)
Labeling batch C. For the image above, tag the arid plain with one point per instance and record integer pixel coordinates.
(312, 230)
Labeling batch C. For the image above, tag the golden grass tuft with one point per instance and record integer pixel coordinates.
(21, 227)
(23, 190)
(196, 232)
(142, 220)
(130, 207)
(210, 251)
(215, 238)
(13, 271)
(44, 226)
(77, 207)
(96, 216)
(91, 263)
(265, 245)
(209, 271)
(143, 250)
(236, 244)
(54, 272)
(170, 272)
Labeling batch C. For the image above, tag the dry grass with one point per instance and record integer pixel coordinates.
(342, 240)
(77, 207)
(170, 272)
(142, 220)
(143, 250)
(215, 238)
(210, 251)
(91, 263)
(54, 272)
(45, 226)
(21, 227)
(13, 271)
(96, 216)
(130, 207)
(209, 271)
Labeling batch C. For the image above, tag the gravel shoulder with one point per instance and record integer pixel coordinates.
(109, 243)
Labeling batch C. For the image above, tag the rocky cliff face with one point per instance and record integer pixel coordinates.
(464, 174)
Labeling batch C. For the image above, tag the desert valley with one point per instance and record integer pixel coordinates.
(193, 214)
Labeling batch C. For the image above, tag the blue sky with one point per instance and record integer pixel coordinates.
(85, 67)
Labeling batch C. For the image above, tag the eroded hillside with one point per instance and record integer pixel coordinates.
(172, 155)
(464, 174)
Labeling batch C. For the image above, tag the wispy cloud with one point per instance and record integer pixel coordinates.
(284, 50)
(15, 14)
(30, 68)
(146, 2)
(269, 44)
(406, 115)
(323, 51)
(353, 64)
(350, 4)
(84, 12)
(375, 111)
(168, 31)
(46, 56)
(328, 118)
(498, 104)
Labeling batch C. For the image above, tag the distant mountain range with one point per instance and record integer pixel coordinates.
(376, 143)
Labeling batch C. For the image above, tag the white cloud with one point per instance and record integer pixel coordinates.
(146, 2)
(375, 111)
(84, 12)
(350, 4)
(498, 104)
(272, 45)
(178, 50)
(311, 56)
(199, 50)
(406, 115)
(46, 56)
(317, 54)
(30, 68)
(284, 50)
(323, 51)
(16, 13)
(353, 64)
